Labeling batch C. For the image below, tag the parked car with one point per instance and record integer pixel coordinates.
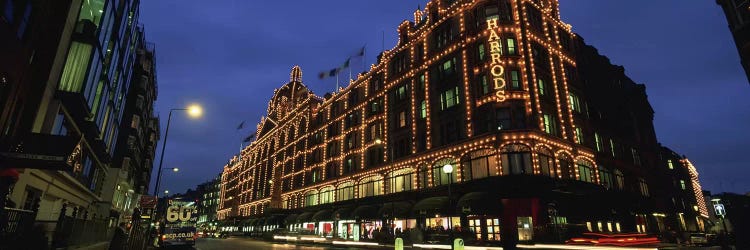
(702, 239)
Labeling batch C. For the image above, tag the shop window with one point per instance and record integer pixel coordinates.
(439, 176)
(345, 191)
(585, 171)
(400, 181)
(479, 164)
(326, 195)
(371, 186)
(493, 229)
(525, 229)
(546, 163)
(516, 159)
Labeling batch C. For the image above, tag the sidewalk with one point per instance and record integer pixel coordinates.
(104, 245)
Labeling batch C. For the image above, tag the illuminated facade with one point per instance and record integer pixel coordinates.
(488, 89)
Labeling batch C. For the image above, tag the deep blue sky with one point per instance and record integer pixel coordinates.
(229, 55)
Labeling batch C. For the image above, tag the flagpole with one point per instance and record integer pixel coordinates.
(364, 57)
(337, 82)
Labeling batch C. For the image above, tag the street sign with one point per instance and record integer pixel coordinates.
(148, 201)
(719, 209)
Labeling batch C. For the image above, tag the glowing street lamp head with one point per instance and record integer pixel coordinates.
(378, 141)
(195, 110)
(448, 168)
(175, 169)
(166, 191)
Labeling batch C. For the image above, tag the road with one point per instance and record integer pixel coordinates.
(246, 243)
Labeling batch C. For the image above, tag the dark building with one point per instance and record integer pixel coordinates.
(491, 116)
(738, 17)
(209, 200)
(65, 73)
(139, 133)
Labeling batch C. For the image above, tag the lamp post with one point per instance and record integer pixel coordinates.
(448, 169)
(158, 183)
(193, 111)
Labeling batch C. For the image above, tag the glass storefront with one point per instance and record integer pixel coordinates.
(443, 223)
(325, 228)
(525, 228)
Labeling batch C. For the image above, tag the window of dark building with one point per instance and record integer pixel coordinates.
(483, 86)
(481, 52)
(535, 18)
(508, 46)
(333, 149)
(401, 148)
(446, 69)
(450, 98)
(332, 170)
(314, 176)
(550, 124)
(351, 141)
(375, 85)
(401, 93)
(354, 97)
(374, 156)
(445, 34)
(515, 80)
(450, 131)
(423, 109)
(400, 119)
(420, 52)
(334, 129)
(541, 59)
(421, 140)
(352, 119)
(375, 107)
(375, 131)
(351, 164)
(400, 63)
(316, 156)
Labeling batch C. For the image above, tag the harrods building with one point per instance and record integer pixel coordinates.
(491, 116)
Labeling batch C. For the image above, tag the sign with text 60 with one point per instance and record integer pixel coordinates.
(181, 213)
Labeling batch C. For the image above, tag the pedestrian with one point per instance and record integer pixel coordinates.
(120, 238)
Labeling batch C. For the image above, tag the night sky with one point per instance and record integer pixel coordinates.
(230, 55)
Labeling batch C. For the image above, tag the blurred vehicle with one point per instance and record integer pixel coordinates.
(615, 239)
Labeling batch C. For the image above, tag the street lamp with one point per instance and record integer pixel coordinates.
(166, 192)
(194, 111)
(448, 169)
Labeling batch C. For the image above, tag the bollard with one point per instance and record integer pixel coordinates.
(399, 245)
(458, 244)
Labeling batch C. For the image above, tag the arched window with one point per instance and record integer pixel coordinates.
(326, 195)
(423, 177)
(400, 180)
(585, 171)
(516, 159)
(311, 198)
(566, 166)
(479, 164)
(370, 186)
(345, 191)
(546, 162)
(440, 177)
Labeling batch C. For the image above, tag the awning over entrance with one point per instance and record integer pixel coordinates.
(431, 205)
(398, 209)
(305, 217)
(343, 213)
(274, 220)
(479, 203)
(290, 219)
(366, 212)
(323, 215)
